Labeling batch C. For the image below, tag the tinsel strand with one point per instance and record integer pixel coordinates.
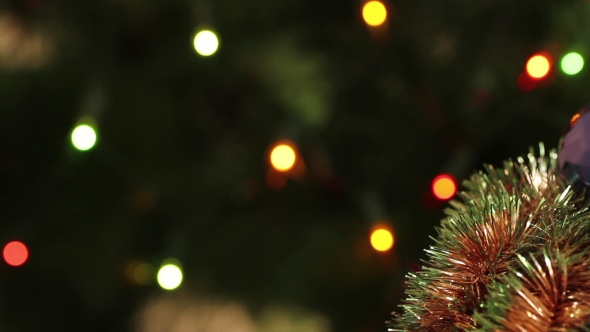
(504, 214)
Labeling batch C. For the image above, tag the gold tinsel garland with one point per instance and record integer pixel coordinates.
(511, 256)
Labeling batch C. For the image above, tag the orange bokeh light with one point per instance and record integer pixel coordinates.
(444, 187)
(283, 156)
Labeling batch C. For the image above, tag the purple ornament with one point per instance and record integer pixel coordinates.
(574, 152)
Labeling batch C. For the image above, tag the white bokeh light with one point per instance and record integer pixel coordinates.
(169, 277)
(83, 137)
(206, 42)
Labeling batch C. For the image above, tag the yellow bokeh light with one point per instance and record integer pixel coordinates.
(374, 13)
(538, 66)
(83, 137)
(382, 239)
(282, 157)
(169, 276)
(206, 42)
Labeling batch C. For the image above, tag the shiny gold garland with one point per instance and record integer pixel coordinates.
(512, 255)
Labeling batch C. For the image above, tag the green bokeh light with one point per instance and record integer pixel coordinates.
(572, 63)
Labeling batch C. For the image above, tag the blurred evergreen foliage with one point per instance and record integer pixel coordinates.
(437, 95)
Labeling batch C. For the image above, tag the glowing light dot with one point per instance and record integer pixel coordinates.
(382, 239)
(444, 187)
(374, 13)
(15, 253)
(283, 157)
(538, 66)
(169, 277)
(572, 63)
(206, 42)
(83, 137)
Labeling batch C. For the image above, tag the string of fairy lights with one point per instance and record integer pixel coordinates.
(284, 158)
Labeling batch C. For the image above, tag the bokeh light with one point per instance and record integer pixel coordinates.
(15, 253)
(170, 276)
(525, 82)
(374, 13)
(444, 187)
(382, 239)
(572, 63)
(538, 66)
(206, 42)
(83, 137)
(283, 157)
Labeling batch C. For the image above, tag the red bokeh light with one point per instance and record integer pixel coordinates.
(15, 253)
(526, 83)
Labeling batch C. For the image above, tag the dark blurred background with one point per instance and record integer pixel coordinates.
(181, 166)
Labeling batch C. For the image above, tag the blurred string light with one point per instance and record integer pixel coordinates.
(382, 239)
(374, 13)
(538, 66)
(283, 156)
(572, 63)
(170, 276)
(206, 42)
(84, 137)
(15, 253)
(444, 187)
(525, 82)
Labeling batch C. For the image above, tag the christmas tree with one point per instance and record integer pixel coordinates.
(132, 132)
